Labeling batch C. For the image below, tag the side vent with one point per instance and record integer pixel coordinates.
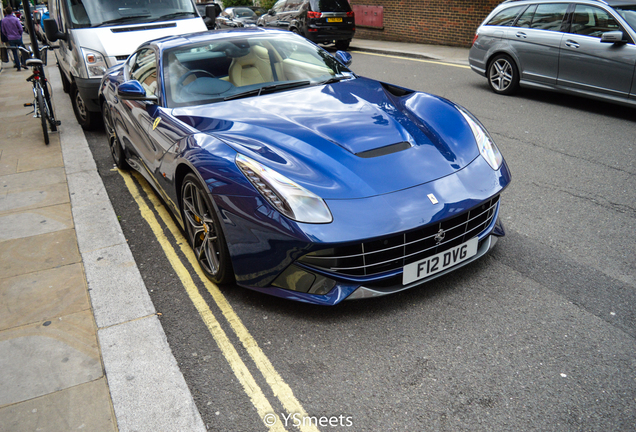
(396, 91)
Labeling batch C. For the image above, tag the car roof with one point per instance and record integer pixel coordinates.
(612, 3)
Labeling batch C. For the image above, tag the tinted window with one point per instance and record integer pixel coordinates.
(592, 21)
(549, 16)
(525, 20)
(506, 17)
(330, 6)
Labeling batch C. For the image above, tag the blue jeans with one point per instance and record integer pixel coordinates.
(17, 56)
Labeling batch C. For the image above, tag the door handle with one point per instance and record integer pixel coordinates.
(571, 44)
(521, 35)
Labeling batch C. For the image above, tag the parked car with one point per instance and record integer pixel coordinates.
(584, 47)
(320, 21)
(234, 17)
(94, 35)
(293, 176)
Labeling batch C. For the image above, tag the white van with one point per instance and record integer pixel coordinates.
(94, 35)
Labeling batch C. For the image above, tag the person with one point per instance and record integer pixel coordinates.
(12, 31)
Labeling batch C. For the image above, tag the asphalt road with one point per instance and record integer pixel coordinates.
(539, 335)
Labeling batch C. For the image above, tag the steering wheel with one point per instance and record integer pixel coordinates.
(193, 72)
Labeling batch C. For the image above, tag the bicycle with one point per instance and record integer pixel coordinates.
(42, 105)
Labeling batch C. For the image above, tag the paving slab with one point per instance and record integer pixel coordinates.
(32, 180)
(86, 407)
(36, 221)
(45, 196)
(41, 296)
(47, 357)
(36, 253)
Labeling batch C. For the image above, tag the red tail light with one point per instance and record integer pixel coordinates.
(351, 14)
(475, 38)
(311, 14)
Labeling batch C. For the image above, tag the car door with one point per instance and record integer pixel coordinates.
(536, 40)
(591, 65)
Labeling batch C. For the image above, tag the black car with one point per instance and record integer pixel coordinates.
(234, 17)
(320, 21)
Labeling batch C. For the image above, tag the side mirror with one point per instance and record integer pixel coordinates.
(210, 12)
(344, 58)
(133, 90)
(612, 37)
(271, 12)
(52, 32)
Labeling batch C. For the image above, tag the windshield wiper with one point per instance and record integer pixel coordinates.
(173, 15)
(122, 20)
(268, 89)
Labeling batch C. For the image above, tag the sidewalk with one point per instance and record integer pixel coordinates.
(81, 347)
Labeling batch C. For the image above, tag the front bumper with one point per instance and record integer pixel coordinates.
(264, 245)
(89, 91)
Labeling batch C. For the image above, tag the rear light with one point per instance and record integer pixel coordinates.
(475, 38)
(311, 14)
(351, 14)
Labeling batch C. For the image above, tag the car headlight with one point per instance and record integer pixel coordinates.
(292, 200)
(95, 63)
(486, 145)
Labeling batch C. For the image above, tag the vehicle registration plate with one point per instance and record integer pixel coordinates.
(334, 19)
(439, 262)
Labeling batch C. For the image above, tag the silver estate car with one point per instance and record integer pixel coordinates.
(583, 47)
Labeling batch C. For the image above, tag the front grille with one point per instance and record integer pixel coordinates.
(396, 251)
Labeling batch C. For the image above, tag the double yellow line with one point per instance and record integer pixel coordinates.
(280, 389)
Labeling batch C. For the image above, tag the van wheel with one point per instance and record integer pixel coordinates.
(503, 75)
(343, 45)
(84, 117)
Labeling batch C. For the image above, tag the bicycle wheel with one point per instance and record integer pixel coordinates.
(43, 114)
(50, 116)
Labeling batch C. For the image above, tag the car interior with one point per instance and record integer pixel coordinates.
(199, 73)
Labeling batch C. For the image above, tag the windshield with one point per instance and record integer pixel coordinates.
(629, 14)
(234, 67)
(95, 13)
(244, 13)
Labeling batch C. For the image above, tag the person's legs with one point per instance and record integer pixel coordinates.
(16, 53)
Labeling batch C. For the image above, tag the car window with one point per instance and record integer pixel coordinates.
(592, 21)
(293, 5)
(628, 13)
(549, 16)
(144, 70)
(330, 6)
(506, 17)
(525, 20)
(279, 6)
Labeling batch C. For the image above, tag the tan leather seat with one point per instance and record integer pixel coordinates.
(253, 68)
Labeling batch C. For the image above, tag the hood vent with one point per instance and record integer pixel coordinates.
(383, 151)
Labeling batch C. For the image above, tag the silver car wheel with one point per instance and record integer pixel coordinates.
(501, 74)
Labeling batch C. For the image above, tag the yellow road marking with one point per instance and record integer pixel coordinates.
(413, 59)
(239, 368)
(280, 389)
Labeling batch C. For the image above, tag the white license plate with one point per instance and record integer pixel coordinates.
(439, 262)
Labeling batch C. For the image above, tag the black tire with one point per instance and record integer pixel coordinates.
(66, 85)
(50, 115)
(203, 231)
(343, 45)
(84, 117)
(116, 150)
(43, 116)
(503, 75)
